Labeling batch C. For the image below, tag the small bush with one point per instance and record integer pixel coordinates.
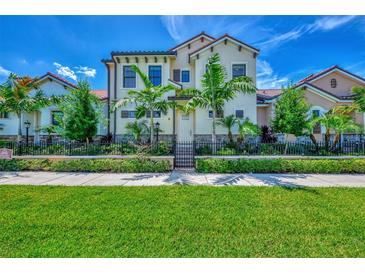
(86, 165)
(281, 165)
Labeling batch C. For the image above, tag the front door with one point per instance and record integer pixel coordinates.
(185, 127)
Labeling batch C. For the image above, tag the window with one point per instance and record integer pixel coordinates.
(156, 114)
(238, 70)
(56, 117)
(317, 127)
(129, 77)
(219, 114)
(128, 114)
(239, 113)
(333, 83)
(176, 75)
(4, 115)
(155, 75)
(185, 76)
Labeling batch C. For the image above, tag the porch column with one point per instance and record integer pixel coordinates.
(36, 127)
(173, 124)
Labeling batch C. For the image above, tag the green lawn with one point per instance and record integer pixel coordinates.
(181, 221)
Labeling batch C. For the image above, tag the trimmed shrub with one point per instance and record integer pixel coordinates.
(281, 165)
(86, 165)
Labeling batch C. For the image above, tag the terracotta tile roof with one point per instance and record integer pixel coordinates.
(268, 93)
(101, 93)
(192, 38)
(315, 75)
(220, 38)
(63, 80)
(144, 52)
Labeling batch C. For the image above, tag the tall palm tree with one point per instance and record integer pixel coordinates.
(337, 123)
(245, 128)
(228, 122)
(216, 90)
(137, 129)
(147, 100)
(16, 97)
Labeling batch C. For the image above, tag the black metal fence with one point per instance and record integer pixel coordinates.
(95, 148)
(187, 149)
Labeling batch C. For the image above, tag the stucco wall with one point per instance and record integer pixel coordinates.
(344, 83)
(229, 54)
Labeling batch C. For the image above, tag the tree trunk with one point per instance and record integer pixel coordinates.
(327, 137)
(230, 136)
(151, 126)
(335, 141)
(286, 143)
(214, 138)
(314, 141)
(19, 137)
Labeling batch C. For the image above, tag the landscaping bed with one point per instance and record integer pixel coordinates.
(218, 165)
(178, 221)
(87, 165)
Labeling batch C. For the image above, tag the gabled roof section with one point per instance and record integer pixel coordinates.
(222, 38)
(144, 52)
(310, 78)
(101, 93)
(198, 36)
(325, 93)
(57, 78)
(268, 94)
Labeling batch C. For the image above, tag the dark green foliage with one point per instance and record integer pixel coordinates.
(86, 165)
(81, 113)
(281, 165)
(291, 112)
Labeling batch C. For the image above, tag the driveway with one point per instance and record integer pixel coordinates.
(183, 177)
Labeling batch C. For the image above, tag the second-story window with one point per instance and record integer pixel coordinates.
(176, 75)
(129, 77)
(185, 76)
(155, 75)
(238, 70)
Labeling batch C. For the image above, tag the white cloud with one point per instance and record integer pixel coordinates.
(174, 25)
(181, 28)
(266, 78)
(89, 72)
(65, 71)
(323, 24)
(4, 72)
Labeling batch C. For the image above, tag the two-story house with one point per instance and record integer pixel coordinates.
(182, 66)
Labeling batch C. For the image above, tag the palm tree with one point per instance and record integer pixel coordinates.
(216, 90)
(245, 128)
(147, 100)
(137, 129)
(16, 97)
(228, 122)
(337, 123)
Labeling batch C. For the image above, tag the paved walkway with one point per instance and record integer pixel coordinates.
(180, 177)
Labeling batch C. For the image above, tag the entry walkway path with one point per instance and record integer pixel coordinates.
(180, 177)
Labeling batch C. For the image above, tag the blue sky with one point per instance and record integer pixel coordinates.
(72, 46)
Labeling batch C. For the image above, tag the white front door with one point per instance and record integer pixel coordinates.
(185, 127)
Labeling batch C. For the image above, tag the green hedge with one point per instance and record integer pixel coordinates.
(86, 165)
(281, 165)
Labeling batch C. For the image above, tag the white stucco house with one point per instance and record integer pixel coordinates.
(50, 84)
(182, 66)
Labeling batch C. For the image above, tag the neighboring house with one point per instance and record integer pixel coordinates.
(50, 84)
(323, 91)
(182, 66)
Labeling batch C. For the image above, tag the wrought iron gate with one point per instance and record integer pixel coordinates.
(184, 155)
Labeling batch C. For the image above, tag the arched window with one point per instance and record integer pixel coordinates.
(333, 83)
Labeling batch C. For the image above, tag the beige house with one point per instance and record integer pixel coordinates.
(51, 84)
(183, 67)
(323, 91)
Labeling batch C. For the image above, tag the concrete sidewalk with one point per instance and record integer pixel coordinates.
(180, 177)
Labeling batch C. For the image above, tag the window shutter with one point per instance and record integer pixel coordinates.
(176, 75)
